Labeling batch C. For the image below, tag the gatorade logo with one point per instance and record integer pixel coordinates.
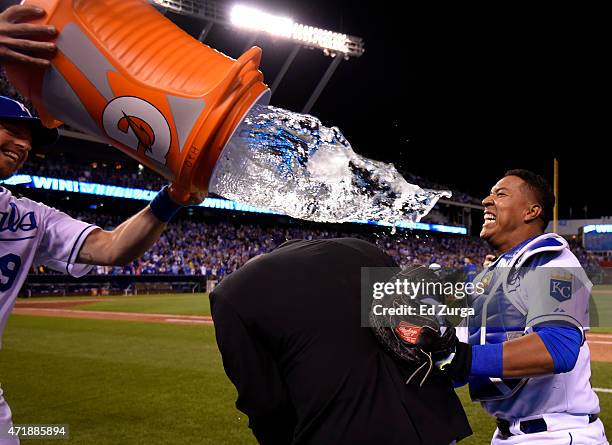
(143, 131)
(137, 124)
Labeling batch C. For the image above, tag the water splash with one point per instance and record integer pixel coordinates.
(290, 163)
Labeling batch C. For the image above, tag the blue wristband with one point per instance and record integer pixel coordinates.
(488, 360)
(164, 207)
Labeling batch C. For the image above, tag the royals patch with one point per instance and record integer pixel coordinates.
(486, 280)
(561, 288)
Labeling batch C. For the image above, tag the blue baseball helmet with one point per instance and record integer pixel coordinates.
(12, 110)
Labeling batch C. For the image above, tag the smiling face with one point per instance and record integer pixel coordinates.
(15, 144)
(510, 214)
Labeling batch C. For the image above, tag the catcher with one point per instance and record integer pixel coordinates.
(524, 352)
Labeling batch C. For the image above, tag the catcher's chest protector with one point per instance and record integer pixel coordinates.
(498, 313)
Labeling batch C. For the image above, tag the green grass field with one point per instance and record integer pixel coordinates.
(602, 296)
(175, 304)
(119, 382)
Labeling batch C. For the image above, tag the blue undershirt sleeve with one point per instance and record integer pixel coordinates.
(563, 344)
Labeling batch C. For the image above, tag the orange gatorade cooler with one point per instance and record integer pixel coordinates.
(125, 73)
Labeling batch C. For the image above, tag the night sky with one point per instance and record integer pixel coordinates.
(456, 97)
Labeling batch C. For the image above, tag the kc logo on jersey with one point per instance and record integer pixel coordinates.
(137, 124)
(561, 288)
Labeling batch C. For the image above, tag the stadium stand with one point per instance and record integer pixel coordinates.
(125, 172)
(190, 247)
(192, 250)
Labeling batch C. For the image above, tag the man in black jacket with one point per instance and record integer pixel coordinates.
(288, 327)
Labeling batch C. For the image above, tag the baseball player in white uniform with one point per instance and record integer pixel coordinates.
(524, 352)
(33, 233)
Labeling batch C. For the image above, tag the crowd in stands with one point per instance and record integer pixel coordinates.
(214, 250)
(189, 247)
(588, 260)
(126, 174)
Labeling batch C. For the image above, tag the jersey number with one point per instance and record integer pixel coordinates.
(9, 270)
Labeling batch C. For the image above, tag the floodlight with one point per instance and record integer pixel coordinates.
(251, 18)
(254, 19)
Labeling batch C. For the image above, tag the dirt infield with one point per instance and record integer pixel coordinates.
(56, 304)
(599, 343)
(106, 315)
(59, 308)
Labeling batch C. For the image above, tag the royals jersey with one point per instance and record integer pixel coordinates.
(538, 283)
(33, 233)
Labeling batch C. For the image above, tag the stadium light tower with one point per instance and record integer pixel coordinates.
(334, 44)
(251, 18)
(337, 45)
(256, 20)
